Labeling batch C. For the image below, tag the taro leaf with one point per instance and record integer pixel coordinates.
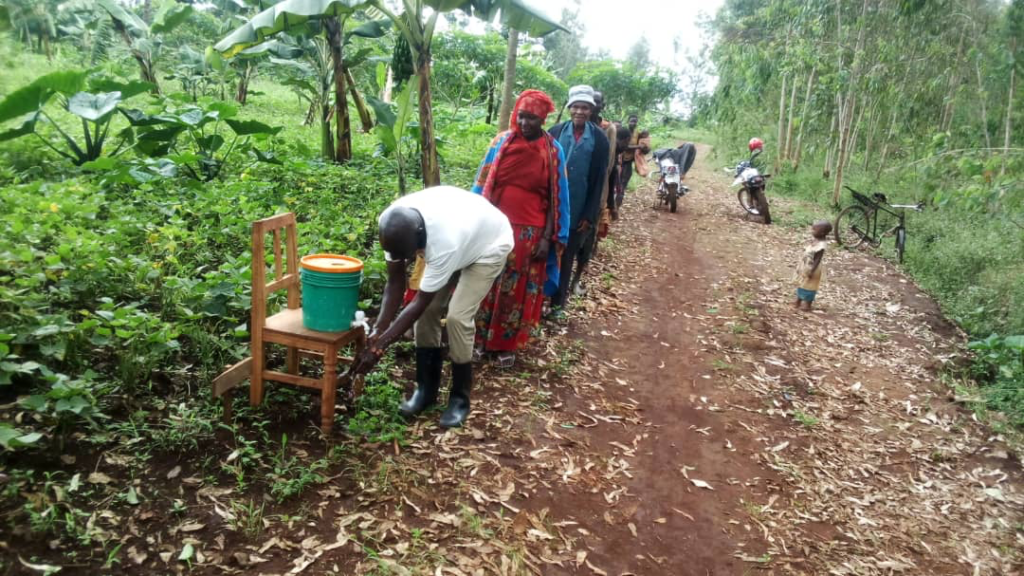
(224, 110)
(249, 127)
(27, 127)
(31, 98)
(195, 117)
(93, 107)
(127, 89)
(65, 82)
(171, 17)
(385, 116)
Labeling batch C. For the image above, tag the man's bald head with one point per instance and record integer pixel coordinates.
(402, 232)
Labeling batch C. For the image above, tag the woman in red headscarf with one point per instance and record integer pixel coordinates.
(523, 175)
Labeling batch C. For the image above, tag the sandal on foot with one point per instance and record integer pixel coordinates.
(506, 361)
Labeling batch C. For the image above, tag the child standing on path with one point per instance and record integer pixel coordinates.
(810, 268)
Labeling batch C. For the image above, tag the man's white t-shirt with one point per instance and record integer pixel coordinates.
(462, 229)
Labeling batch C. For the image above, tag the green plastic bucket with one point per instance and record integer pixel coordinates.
(330, 291)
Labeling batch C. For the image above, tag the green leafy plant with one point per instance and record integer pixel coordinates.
(194, 137)
(94, 109)
(999, 361)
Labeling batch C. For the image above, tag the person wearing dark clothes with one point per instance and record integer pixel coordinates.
(586, 151)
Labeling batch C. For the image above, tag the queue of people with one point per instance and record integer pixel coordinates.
(507, 251)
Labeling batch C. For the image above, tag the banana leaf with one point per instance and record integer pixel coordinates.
(282, 17)
(517, 14)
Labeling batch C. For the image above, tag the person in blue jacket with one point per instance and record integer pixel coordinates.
(586, 153)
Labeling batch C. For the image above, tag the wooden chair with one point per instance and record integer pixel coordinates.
(286, 328)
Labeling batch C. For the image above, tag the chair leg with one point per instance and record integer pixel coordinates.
(256, 380)
(330, 387)
(292, 360)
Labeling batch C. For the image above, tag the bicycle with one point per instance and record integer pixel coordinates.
(858, 223)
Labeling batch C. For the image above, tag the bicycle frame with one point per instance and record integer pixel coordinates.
(873, 237)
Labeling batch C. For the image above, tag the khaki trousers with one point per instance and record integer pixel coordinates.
(464, 301)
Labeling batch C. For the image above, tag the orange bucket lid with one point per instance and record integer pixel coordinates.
(332, 263)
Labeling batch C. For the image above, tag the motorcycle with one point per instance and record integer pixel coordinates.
(672, 165)
(752, 185)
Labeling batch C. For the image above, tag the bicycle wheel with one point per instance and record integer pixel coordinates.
(746, 201)
(901, 243)
(851, 226)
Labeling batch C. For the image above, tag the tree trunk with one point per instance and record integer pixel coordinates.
(46, 46)
(833, 131)
(780, 144)
(343, 131)
(428, 147)
(1009, 123)
(954, 83)
(242, 93)
(803, 121)
(510, 79)
(364, 113)
(490, 104)
(326, 138)
(789, 122)
(885, 147)
(845, 124)
(870, 138)
(982, 96)
(851, 146)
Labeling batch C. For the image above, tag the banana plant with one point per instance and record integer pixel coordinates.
(94, 108)
(416, 28)
(391, 127)
(144, 40)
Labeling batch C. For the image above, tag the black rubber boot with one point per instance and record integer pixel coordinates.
(458, 398)
(428, 381)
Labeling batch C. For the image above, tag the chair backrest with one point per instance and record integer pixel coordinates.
(286, 270)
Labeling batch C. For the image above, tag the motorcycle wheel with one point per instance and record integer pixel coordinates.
(747, 202)
(672, 204)
(762, 205)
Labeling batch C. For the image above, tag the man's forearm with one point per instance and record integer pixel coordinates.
(393, 292)
(405, 320)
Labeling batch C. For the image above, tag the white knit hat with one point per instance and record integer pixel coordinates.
(581, 93)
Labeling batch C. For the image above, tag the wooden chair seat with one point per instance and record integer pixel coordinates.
(286, 328)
